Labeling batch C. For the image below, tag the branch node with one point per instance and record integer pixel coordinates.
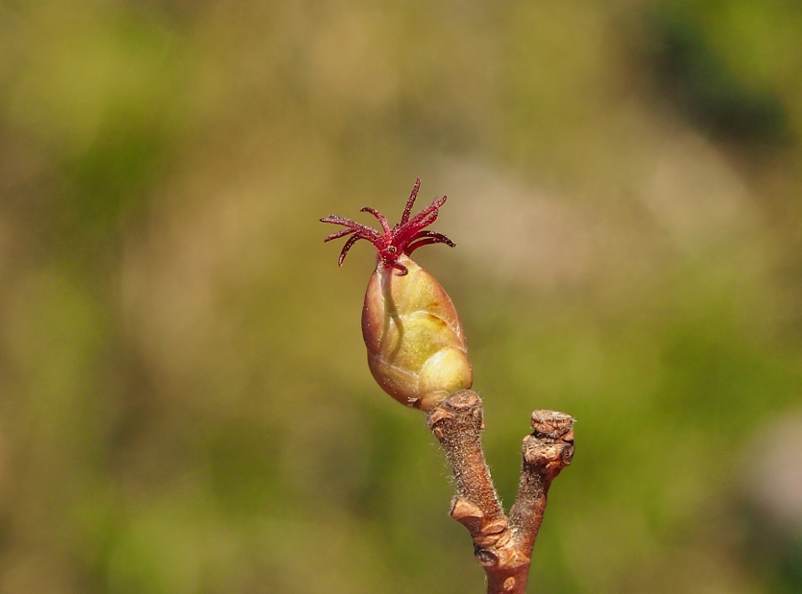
(493, 534)
(496, 527)
(467, 514)
(485, 557)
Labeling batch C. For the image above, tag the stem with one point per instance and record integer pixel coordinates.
(502, 545)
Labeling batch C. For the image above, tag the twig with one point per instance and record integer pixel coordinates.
(502, 545)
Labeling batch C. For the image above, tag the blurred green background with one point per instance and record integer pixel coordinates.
(185, 405)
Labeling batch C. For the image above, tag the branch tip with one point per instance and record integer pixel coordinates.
(550, 423)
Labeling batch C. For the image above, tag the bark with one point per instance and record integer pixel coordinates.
(502, 545)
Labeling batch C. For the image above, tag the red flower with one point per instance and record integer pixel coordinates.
(403, 238)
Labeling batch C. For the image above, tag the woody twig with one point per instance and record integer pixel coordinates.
(502, 545)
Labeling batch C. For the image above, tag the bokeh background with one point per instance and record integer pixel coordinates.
(185, 405)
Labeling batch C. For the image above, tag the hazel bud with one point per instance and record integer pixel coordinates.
(416, 346)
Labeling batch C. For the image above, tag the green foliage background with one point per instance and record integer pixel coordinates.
(184, 401)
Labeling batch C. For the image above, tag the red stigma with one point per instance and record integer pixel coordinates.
(404, 238)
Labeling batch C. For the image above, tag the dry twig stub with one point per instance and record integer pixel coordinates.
(502, 545)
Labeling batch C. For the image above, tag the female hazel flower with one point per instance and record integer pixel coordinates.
(416, 347)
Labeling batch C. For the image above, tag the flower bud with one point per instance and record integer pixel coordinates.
(416, 346)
